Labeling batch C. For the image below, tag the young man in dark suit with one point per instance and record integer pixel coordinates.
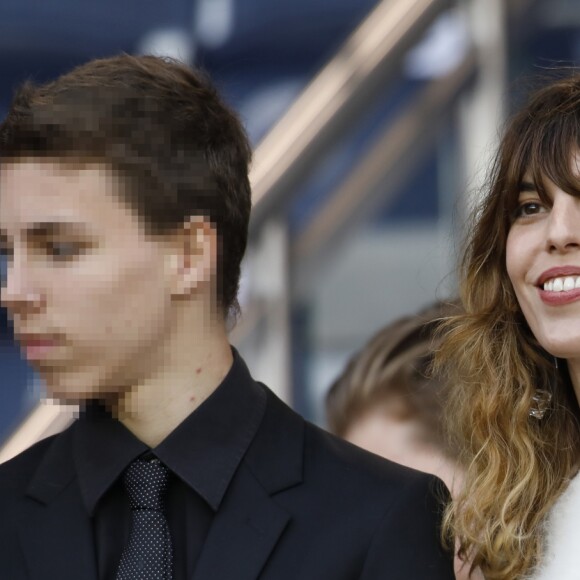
(124, 207)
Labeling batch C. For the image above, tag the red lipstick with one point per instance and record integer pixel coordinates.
(558, 272)
(559, 298)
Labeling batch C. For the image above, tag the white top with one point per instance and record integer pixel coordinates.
(561, 559)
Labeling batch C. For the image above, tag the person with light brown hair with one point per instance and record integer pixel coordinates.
(513, 356)
(386, 400)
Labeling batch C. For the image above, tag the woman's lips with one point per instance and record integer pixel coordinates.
(557, 272)
(559, 298)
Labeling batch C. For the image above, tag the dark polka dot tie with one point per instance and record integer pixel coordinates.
(148, 554)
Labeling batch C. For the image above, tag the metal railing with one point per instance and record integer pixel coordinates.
(331, 104)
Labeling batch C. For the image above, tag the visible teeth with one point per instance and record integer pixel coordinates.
(562, 284)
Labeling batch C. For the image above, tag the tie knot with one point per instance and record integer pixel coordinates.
(146, 484)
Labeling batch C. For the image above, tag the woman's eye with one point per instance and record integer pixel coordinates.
(528, 208)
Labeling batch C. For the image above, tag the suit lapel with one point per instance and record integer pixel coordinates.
(57, 542)
(250, 522)
(243, 533)
(55, 532)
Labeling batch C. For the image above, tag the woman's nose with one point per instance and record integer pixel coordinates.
(564, 224)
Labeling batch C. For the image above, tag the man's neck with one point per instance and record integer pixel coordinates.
(154, 408)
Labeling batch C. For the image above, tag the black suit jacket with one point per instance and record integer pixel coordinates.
(302, 505)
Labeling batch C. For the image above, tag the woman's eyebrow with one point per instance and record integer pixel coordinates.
(527, 186)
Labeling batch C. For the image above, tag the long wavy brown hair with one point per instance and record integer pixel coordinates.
(515, 465)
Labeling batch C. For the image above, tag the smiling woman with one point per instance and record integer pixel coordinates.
(542, 248)
(514, 355)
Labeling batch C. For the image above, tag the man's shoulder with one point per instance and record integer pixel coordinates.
(352, 471)
(339, 464)
(326, 451)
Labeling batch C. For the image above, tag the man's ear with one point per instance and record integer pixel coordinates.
(193, 254)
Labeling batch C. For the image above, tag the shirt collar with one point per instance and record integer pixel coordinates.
(204, 450)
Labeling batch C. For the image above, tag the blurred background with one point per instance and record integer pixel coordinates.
(373, 124)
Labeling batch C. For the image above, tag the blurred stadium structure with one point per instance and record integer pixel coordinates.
(373, 123)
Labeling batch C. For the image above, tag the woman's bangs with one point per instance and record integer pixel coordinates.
(555, 156)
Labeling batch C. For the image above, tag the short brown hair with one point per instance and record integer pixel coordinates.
(163, 127)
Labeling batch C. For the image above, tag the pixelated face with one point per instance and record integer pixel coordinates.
(85, 285)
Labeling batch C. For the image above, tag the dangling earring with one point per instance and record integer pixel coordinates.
(541, 403)
(542, 399)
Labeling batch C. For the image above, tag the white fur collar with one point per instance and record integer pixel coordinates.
(560, 560)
